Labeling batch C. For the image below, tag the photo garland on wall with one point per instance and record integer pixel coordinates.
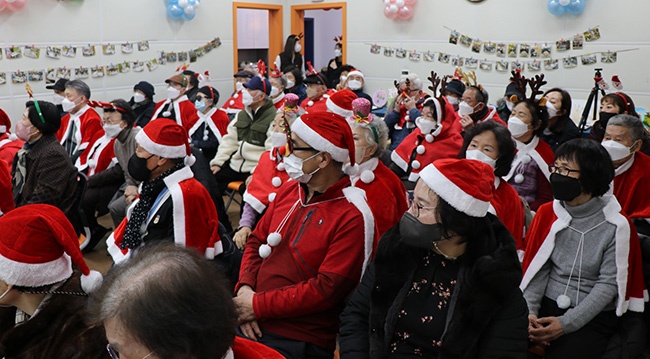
(51, 74)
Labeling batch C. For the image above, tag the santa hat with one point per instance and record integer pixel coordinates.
(467, 185)
(165, 138)
(341, 103)
(327, 132)
(5, 122)
(38, 246)
(356, 73)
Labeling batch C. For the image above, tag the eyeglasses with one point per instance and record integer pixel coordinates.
(563, 171)
(293, 148)
(114, 354)
(415, 207)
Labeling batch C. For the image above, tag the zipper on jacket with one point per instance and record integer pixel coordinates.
(301, 231)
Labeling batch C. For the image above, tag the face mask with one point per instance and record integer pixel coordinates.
(337, 52)
(426, 126)
(274, 91)
(552, 111)
(138, 97)
(112, 130)
(517, 127)
(452, 100)
(480, 156)
(173, 93)
(247, 98)
(354, 85)
(57, 99)
(200, 105)
(278, 139)
(565, 188)
(5, 293)
(290, 84)
(67, 105)
(293, 166)
(239, 86)
(417, 234)
(605, 116)
(510, 105)
(297, 48)
(465, 109)
(138, 168)
(617, 151)
(23, 132)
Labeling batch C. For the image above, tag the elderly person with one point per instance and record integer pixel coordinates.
(45, 280)
(177, 106)
(582, 267)
(82, 126)
(612, 104)
(474, 108)
(400, 118)
(58, 93)
(42, 170)
(444, 280)
(317, 92)
(560, 127)
(355, 82)
(142, 103)
(212, 125)
(234, 103)
(278, 84)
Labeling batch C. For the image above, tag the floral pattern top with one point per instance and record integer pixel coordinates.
(423, 316)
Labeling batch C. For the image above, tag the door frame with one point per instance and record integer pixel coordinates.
(298, 19)
(275, 30)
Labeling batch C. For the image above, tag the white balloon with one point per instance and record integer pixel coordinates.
(189, 9)
(399, 3)
(564, 2)
(387, 2)
(182, 3)
(198, 3)
(393, 8)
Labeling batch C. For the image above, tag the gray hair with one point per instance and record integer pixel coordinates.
(632, 123)
(382, 134)
(416, 83)
(80, 87)
(282, 79)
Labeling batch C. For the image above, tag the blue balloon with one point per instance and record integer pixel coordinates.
(171, 2)
(555, 8)
(191, 2)
(174, 11)
(190, 16)
(575, 7)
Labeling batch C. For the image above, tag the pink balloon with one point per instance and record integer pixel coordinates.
(17, 5)
(387, 13)
(410, 2)
(393, 1)
(3, 5)
(405, 13)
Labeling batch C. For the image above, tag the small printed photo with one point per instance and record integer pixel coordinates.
(216, 42)
(193, 56)
(444, 58)
(152, 65)
(563, 45)
(138, 66)
(12, 53)
(501, 49)
(182, 56)
(171, 57)
(32, 52)
(124, 67)
(471, 63)
(534, 66)
(163, 58)
(108, 49)
(457, 61)
(489, 47)
(69, 51)
(127, 48)
(516, 65)
(465, 40)
(53, 52)
(143, 45)
(112, 70)
(592, 34)
(200, 52)
(551, 64)
(3, 78)
(589, 59)
(81, 73)
(535, 51)
(429, 56)
(453, 38)
(388, 52)
(375, 49)
(486, 65)
(608, 57)
(19, 77)
(578, 42)
(63, 73)
(88, 50)
(546, 51)
(50, 76)
(502, 65)
(415, 56)
(476, 45)
(36, 75)
(524, 50)
(97, 71)
(569, 62)
(512, 50)
(400, 53)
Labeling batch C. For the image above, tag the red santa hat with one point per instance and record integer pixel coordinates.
(341, 103)
(467, 185)
(356, 72)
(38, 246)
(5, 124)
(327, 132)
(165, 138)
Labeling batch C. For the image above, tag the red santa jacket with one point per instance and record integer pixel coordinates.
(183, 109)
(551, 218)
(101, 155)
(88, 129)
(269, 175)
(234, 104)
(385, 193)
(492, 114)
(301, 287)
(9, 146)
(418, 149)
(217, 122)
(536, 150)
(404, 113)
(247, 349)
(318, 105)
(195, 218)
(632, 187)
(278, 102)
(6, 196)
(508, 207)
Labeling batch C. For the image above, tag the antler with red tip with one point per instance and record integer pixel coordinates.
(276, 72)
(261, 68)
(310, 69)
(104, 105)
(30, 92)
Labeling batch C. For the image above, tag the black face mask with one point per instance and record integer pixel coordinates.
(604, 118)
(565, 188)
(417, 234)
(138, 168)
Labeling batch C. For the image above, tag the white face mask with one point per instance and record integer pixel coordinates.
(517, 127)
(278, 139)
(478, 155)
(465, 109)
(354, 85)
(67, 105)
(57, 99)
(552, 111)
(138, 97)
(293, 166)
(173, 93)
(274, 91)
(112, 130)
(510, 105)
(425, 125)
(247, 98)
(337, 52)
(290, 84)
(452, 100)
(239, 86)
(617, 151)
(297, 48)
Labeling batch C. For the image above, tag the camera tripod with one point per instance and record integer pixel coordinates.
(592, 101)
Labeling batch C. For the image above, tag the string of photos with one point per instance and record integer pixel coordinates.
(51, 74)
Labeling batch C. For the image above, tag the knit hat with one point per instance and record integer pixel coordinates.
(511, 90)
(5, 122)
(146, 88)
(341, 102)
(38, 246)
(356, 73)
(165, 138)
(259, 83)
(327, 132)
(211, 93)
(456, 87)
(467, 185)
(59, 85)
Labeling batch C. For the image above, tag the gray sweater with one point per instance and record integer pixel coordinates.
(124, 148)
(598, 278)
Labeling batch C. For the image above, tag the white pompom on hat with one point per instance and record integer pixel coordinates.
(166, 138)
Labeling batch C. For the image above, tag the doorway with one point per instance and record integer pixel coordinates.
(327, 21)
(257, 30)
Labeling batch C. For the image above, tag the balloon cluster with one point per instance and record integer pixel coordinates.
(399, 9)
(181, 9)
(12, 5)
(559, 7)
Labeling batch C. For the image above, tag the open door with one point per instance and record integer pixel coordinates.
(266, 49)
(298, 21)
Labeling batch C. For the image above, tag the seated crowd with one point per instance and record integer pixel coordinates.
(448, 228)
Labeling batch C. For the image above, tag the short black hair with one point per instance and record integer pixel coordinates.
(194, 80)
(622, 101)
(558, 126)
(51, 120)
(480, 94)
(596, 168)
(297, 73)
(538, 113)
(506, 145)
(128, 115)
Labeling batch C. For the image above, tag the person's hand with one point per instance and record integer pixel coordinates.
(244, 304)
(532, 322)
(547, 330)
(251, 329)
(215, 169)
(241, 236)
(130, 193)
(409, 103)
(466, 122)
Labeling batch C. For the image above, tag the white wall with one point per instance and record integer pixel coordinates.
(327, 25)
